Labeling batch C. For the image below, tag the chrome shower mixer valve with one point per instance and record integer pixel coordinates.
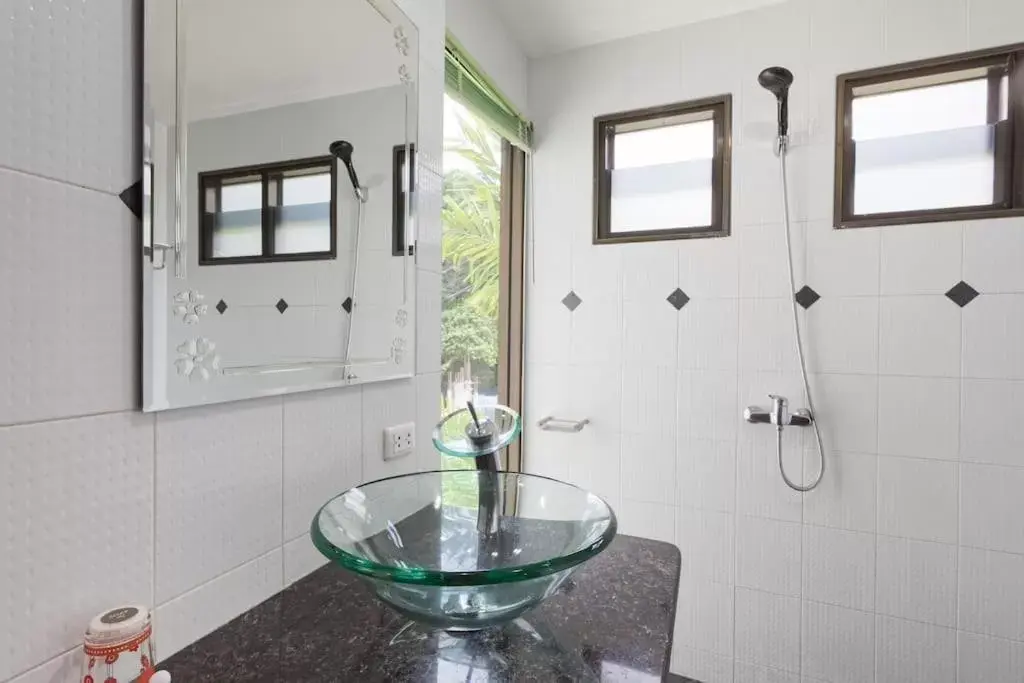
(778, 414)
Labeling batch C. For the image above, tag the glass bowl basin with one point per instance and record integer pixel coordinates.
(451, 435)
(464, 549)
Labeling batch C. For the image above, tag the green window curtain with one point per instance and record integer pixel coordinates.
(466, 82)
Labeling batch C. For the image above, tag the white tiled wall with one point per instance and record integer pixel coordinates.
(202, 512)
(905, 565)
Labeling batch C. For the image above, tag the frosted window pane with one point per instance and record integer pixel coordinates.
(238, 227)
(926, 148)
(662, 178)
(241, 196)
(304, 223)
(665, 145)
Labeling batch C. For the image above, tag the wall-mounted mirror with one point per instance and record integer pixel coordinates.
(278, 197)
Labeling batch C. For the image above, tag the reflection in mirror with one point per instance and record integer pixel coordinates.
(279, 242)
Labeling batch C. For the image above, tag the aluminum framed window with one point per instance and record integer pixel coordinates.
(283, 211)
(663, 172)
(932, 140)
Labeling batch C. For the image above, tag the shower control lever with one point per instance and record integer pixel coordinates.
(779, 414)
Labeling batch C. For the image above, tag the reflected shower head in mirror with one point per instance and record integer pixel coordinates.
(343, 150)
(776, 80)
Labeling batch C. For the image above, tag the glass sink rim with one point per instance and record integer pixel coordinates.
(517, 428)
(434, 577)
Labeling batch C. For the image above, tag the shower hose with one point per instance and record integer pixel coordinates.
(781, 151)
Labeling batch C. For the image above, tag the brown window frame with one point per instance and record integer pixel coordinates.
(720, 106)
(266, 172)
(1009, 152)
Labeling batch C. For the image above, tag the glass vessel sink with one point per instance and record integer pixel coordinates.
(460, 435)
(464, 549)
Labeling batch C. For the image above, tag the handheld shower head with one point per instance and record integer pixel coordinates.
(776, 80)
(343, 150)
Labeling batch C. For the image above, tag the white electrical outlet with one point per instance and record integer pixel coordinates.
(399, 440)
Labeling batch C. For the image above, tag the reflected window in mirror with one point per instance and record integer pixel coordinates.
(272, 212)
(403, 185)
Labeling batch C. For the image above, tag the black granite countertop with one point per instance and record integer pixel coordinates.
(612, 621)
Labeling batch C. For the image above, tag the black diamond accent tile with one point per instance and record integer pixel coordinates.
(281, 306)
(678, 299)
(806, 297)
(347, 305)
(572, 301)
(962, 294)
(221, 306)
(132, 198)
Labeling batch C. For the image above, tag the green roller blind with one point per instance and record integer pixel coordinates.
(467, 83)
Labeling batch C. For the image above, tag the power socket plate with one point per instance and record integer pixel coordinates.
(399, 440)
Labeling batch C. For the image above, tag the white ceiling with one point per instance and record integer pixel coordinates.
(544, 27)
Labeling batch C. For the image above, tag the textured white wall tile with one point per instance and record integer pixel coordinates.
(595, 393)
(593, 461)
(991, 595)
(428, 322)
(67, 76)
(219, 492)
(66, 668)
(916, 580)
(649, 330)
(752, 673)
(647, 520)
(428, 414)
(707, 405)
(987, 493)
(69, 554)
(838, 644)
(649, 467)
(918, 499)
(650, 272)
(842, 335)
(708, 335)
(768, 555)
(760, 490)
(919, 335)
(994, 22)
(596, 270)
(842, 262)
(69, 345)
(598, 334)
(708, 540)
(301, 558)
(919, 417)
(387, 404)
(763, 269)
(710, 269)
(911, 652)
(322, 452)
(191, 616)
(704, 617)
(993, 336)
(847, 408)
(991, 255)
(699, 665)
(706, 474)
(921, 259)
(767, 629)
(989, 430)
(766, 336)
(846, 497)
(839, 567)
(649, 398)
(982, 659)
